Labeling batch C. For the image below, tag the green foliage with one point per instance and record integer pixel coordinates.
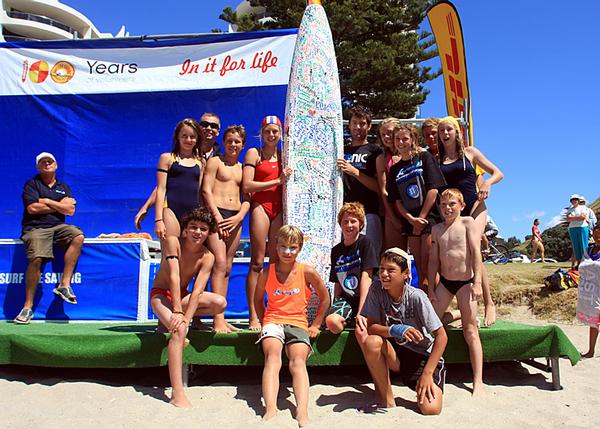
(378, 44)
(557, 243)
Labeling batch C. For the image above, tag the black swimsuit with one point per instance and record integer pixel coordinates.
(183, 188)
(453, 286)
(461, 175)
(226, 213)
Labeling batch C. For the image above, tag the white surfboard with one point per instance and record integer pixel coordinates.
(313, 140)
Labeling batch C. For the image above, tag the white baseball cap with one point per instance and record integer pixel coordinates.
(42, 156)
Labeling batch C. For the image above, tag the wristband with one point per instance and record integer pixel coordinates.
(158, 220)
(178, 312)
(398, 330)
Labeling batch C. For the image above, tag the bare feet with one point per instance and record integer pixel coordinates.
(588, 355)
(254, 325)
(478, 390)
(269, 415)
(490, 315)
(223, 327)
(302, 420)
(180, 400)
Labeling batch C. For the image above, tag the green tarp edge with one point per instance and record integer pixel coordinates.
(105, 345)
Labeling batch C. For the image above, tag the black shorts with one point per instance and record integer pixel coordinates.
(412, 365)
(345, 307)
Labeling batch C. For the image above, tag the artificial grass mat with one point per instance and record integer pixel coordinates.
(137, 345)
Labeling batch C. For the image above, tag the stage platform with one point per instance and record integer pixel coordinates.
(136, 345)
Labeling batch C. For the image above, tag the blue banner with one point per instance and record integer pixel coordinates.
(106, 281)
(108, 110)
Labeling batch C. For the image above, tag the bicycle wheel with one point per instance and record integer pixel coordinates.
(501, 256)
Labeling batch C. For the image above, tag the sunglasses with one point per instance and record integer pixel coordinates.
(212, 125)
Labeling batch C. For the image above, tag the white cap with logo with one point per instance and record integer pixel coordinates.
(42, 156)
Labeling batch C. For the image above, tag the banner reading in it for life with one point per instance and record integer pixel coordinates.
(447, 31)
(117, 66)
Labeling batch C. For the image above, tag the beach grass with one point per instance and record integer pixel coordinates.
(517, 284)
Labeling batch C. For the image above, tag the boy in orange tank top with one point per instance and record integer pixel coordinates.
(284, 323)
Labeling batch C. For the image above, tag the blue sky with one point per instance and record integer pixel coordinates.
(532, 69)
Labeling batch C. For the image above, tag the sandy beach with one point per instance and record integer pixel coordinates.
(517, 396)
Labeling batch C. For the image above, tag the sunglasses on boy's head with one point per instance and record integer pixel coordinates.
(212, 125)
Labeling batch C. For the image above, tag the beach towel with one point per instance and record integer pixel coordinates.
(561, 280)
(588, 301)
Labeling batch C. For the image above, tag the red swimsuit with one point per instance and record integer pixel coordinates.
(269, 199)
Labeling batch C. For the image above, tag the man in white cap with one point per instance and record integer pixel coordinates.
(47, 201)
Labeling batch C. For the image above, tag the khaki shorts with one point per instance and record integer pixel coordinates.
(286, 334)
(39, 241)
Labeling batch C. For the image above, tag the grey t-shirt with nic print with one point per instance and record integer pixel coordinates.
(414, 309)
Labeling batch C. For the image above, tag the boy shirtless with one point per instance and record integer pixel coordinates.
(456, 258)
(221, 190)
(183, 258)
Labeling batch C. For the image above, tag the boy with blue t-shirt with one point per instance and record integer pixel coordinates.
(352, 263)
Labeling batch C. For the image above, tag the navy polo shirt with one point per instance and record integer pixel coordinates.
(35, 189)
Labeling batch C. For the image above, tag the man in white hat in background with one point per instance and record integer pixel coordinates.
(46, 202)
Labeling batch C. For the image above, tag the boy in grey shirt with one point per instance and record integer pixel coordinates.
(405, 335)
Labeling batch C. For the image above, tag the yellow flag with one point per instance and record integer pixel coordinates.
(447, 31)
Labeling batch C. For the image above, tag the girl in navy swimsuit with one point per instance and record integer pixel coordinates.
(179, 177)
(459, 166)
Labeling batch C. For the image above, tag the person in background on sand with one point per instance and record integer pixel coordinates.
(47, 201)
(589, 278)
(429, 134)
(577, 216)
(412, 186)
(263, 175)
(184, 258)
(352, 263)
(208, 129)
(536, 241)
(455, 257)
(392, 226)
(459, 164)
(221, 189)
(405, 336)
(287, 284)
(359, 173)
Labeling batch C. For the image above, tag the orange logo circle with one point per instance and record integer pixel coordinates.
(38, 72)
(62, 72)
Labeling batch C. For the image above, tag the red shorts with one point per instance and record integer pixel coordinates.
(167, 293)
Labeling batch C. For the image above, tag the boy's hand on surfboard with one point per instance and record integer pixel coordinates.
(347, 168)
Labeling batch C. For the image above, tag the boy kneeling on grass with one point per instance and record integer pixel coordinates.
(183, 258)
(405, 336)
(284, 323)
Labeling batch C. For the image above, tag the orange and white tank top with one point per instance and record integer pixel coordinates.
(287, 302)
